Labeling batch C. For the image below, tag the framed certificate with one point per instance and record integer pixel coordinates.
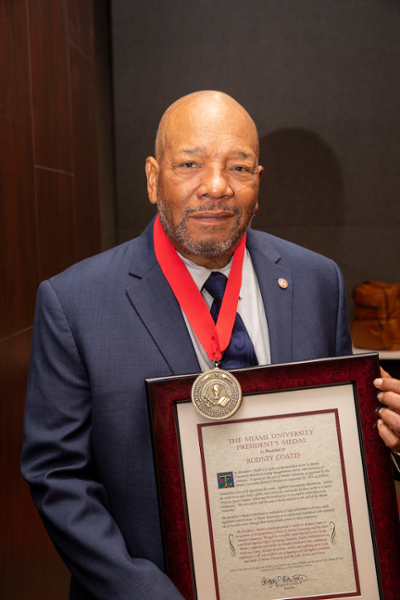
(292, 497)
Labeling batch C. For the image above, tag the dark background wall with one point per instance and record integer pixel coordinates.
(321, 80)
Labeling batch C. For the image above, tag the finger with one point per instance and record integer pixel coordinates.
(388, 384)
(390, 399)
(391, 419)
(385, 373)
(389, 437)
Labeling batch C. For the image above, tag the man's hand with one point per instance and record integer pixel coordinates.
(389, 414)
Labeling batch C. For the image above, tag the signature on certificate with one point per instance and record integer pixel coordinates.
(283, 580)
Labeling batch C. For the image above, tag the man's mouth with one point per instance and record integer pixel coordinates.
(212, 215)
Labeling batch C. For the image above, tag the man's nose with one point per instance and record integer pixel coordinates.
(215, 183)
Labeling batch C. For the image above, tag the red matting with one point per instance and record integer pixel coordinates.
(359, 370)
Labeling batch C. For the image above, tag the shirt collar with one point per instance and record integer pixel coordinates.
(201, 274)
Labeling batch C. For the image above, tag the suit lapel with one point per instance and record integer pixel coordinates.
(277, 301)
(155, 303)
(158, 308)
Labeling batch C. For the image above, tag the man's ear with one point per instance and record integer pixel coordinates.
(260, 174)
(152, 171)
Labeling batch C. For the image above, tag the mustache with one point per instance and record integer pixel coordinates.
(212, 207)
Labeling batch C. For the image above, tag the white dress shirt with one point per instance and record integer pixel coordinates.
(250, 308)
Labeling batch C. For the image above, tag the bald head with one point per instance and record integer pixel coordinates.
(210, 108)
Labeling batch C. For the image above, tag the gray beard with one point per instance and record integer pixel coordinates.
(210, 248)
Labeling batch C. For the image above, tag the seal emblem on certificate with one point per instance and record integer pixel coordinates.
(216, 394)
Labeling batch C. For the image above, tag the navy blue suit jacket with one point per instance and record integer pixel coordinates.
(101, 328)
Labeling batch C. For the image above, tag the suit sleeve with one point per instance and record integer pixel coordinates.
(58, 464)
(343, 337)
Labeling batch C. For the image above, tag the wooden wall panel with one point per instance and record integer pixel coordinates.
(80, 26)
(38, 226)
(85, 156)
(30, 566)
(56, 224)
(50, 83)
(18, 245)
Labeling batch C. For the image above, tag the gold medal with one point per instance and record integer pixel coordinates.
(216, 394)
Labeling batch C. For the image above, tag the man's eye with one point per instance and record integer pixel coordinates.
(239, 168)
(189, 165)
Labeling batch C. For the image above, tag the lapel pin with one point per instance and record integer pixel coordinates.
(282, 283)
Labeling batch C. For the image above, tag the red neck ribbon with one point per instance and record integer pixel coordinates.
(213, 337)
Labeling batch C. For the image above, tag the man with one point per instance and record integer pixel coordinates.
(106, 324)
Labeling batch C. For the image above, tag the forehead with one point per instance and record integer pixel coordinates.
(212, 128)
